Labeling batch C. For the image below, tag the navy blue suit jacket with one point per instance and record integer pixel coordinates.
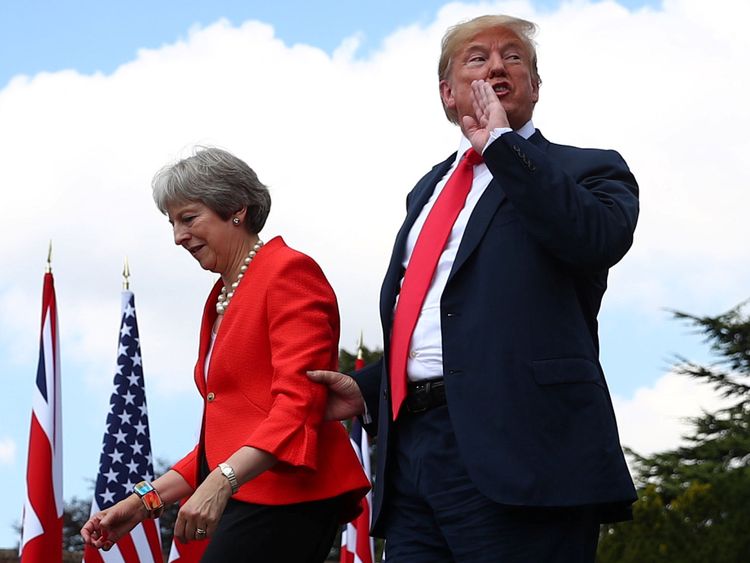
(525, 390)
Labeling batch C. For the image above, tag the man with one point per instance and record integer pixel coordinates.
(505, 448)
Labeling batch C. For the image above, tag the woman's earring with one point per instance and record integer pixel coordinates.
(236, 221)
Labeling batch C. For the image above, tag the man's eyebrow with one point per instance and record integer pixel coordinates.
(473, 47)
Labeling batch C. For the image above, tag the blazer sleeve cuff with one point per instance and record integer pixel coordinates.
(187, 467)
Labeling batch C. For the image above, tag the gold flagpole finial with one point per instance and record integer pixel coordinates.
(126, 275)
(48, 269)
(361, 343)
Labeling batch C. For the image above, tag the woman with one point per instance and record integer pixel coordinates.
(269, 480)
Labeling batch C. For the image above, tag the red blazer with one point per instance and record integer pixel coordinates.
(283, 320)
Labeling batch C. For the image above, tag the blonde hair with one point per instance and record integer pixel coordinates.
(458, 35)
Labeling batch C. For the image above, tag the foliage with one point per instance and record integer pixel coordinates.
(694, 501)
(75, 514)
(347, 359)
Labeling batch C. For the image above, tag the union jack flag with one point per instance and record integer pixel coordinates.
(356, 544)
(41, 540)
(126, 449)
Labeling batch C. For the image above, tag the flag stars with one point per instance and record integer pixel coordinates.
(126, 454)
(107, 496)
(136, 358)
(132, 466)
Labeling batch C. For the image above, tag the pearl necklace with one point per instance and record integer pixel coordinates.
(225, 297)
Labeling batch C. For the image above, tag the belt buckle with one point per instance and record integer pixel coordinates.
(420, 399)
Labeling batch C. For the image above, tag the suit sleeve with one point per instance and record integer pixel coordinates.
(368, 380)
(581, 205)
(303, 329)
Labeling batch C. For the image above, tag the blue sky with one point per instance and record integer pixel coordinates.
(43, 36)
(81, 146)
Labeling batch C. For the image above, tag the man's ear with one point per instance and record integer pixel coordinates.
(446, 94)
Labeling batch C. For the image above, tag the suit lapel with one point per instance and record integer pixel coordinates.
(419, 197)
(492, 198)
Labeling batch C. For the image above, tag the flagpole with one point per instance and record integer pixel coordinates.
(126, 276)
(48, 269)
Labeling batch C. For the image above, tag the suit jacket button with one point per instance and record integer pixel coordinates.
(210, 397)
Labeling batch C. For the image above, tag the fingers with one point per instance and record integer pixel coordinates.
(198, 518)
(326, 377)
(95, 534)
(189, 532)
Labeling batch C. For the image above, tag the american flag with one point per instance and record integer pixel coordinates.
(41, 540)
(356, 544)
(126, 449)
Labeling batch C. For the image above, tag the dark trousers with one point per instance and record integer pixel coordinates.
(435, 514)
(294, 533)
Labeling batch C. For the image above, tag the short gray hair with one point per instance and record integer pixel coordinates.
(219, 180)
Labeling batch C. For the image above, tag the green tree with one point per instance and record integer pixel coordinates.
(347, 359)
(694, 501)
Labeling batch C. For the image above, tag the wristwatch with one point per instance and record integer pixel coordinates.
(150, 498)
(228, 472)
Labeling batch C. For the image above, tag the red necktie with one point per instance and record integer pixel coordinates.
(421, 268)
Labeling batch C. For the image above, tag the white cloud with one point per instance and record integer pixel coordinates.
(341, 139)
(7, 451)
(657, 416)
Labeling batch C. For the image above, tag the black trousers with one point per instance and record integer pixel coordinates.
(435, 514)
(293, 533)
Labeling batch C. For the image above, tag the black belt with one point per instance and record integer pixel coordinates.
(424, 395)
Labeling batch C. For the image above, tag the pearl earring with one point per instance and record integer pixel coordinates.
(236, 221)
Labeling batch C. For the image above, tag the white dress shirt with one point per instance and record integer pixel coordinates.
(425, 359)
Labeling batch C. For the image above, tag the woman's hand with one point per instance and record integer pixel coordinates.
(203, 509)
(107, 526)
